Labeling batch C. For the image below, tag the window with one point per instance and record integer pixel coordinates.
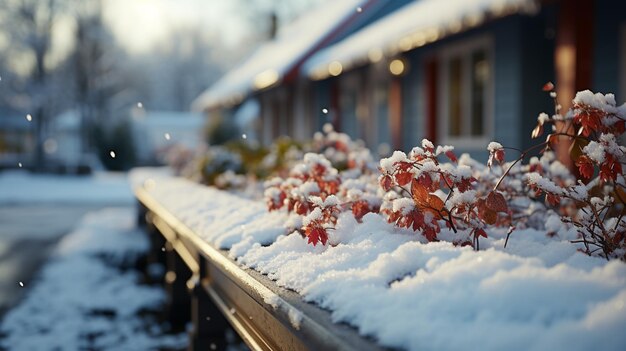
(465, 93)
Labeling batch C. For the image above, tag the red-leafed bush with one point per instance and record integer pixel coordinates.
(317, 191)
(423, 194)
(595, 204)
(430, 188)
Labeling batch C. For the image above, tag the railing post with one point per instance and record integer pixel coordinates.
(176, 277)
(208, 324)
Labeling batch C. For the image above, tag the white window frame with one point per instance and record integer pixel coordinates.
(464, 49)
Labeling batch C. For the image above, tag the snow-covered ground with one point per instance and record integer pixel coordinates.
(21, 187)
(87, 298)
(537, 294)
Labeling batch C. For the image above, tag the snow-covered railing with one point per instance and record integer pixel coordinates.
(203, 277)
(394, 288)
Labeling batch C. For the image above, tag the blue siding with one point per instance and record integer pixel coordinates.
(609, 14)
(537, 69)
(321, 90)
(508, 55)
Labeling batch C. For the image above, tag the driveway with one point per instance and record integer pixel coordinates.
(28, 233)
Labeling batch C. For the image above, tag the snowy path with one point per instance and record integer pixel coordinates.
(36, 210)
(88, 296)
(27, 235)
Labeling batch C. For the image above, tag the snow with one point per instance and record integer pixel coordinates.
(21, 187)
(83, 300)
(542, 183)
(315, 215)
(598, 101)
(270, 62)
(411, 26)
(494, 146)
(387, 165)
(539, 293)
(543, 118)
(595, 151)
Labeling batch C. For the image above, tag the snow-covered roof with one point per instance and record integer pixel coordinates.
(414, 25)
(272, 60)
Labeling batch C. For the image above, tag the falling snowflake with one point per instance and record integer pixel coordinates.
(163, 249)
(140, 105)
(213, 346)
(244, 136)
(232, 310)
(324, 110)
(19, 164)
(208, 318)
(359, 9)
(112, 153)
(29, 117)
(167, 136)
(21, 284)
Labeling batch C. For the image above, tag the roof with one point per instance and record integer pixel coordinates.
(412, 26)
(272, 61)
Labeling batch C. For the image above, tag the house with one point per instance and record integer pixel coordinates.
(459, 72)
(272, 74)
(155, 131)
(16, 139)
(464, 72)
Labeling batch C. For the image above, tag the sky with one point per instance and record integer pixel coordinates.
(140, 24)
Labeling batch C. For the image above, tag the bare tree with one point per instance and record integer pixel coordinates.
(96, 74)
(30, 24)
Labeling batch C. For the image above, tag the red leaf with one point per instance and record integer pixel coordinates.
(548, 86)
(430, 234)
(485, 214)
(435, 202)
(553, 200)
(451, 156)
(386, 182)
(499, 155)
(585, 167)
(318, 169)
(360, 209)
(316, 234)
(496, 202)
(610, 169)
(403, 178)
(480, 232)
(419, 193)
(427, 182)
(301, 208)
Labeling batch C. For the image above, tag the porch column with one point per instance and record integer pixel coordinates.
(572, 59)
(430, 71)
(395, 112)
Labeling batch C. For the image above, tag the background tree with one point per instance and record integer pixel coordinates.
(29, 25)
